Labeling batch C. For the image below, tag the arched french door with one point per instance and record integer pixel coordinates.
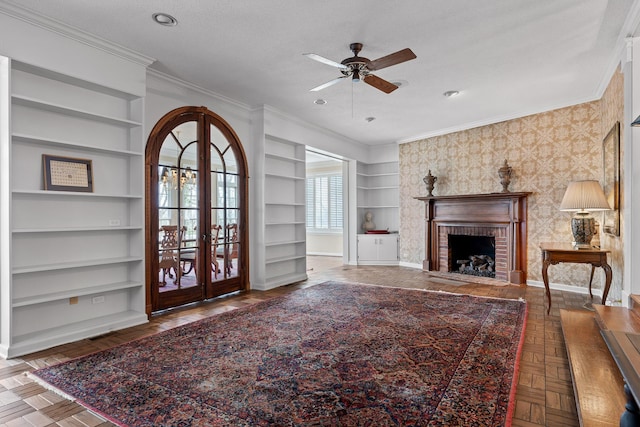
(196, 209)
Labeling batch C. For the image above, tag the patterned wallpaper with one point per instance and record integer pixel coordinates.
(546, 152)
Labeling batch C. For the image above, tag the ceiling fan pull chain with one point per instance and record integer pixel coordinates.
(352, 116)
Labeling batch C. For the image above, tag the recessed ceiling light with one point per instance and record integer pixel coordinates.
(165, 19)
(370, 119)
(320, 101)
(451, 93)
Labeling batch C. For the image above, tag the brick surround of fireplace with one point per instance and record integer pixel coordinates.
(499, 215)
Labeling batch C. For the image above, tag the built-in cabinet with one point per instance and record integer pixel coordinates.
(380, 249)
(378, 193)
(76, 258)
(284, 213)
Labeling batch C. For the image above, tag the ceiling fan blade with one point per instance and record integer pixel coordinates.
(392, 59)
(380, 84)
(324, 60)
(327, 84)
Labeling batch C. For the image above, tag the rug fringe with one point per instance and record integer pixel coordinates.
(49, 387)
(70, 398)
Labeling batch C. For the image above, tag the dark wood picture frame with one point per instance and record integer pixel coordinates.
(67, 173)
(611, 180)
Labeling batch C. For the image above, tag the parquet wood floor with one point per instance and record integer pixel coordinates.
(544, 395)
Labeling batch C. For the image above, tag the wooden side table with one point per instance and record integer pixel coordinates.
(554, 253)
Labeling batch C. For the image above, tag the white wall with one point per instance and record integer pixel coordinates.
(329, 244)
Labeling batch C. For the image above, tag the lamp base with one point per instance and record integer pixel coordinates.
(583, 226)
(581, 246)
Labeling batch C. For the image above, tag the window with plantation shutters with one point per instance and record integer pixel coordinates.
(324, 203)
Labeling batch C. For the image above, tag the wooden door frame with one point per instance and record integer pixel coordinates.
(152, 151)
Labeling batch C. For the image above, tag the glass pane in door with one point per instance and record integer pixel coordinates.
(223, 206)
(189, 215)
(178, 209)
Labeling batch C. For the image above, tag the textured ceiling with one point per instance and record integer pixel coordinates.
(508, 58)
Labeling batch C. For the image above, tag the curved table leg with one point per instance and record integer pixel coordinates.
(607, 283)
(545, 279)
(593, 268)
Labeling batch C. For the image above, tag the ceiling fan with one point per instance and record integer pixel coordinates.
(360, 68)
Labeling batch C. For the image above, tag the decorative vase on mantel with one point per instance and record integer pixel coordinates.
(430, 181)
(505, 176)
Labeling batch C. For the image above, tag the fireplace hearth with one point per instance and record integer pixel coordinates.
(499, 218)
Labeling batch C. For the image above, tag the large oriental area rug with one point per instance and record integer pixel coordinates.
(334, 354)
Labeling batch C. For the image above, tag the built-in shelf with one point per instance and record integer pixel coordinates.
(21, 138)
(61, 109)
(285, 158)
(391, 187)
(74, 194)
(87, 290)
(283, 204)
(65, 243)
(75, 264)
(285, 226)
(280, 176)
(285, 243)
(284, 258)
(76, 229)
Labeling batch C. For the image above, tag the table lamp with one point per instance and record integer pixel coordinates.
(584, 197)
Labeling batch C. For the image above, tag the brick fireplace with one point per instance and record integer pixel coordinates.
(501, 216)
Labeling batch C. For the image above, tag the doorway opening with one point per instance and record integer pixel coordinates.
(326, 196)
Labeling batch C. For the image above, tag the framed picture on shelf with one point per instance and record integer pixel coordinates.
(611, 180)
(67, 173)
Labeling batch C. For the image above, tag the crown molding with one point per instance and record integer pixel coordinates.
(33, 18)
(191, 86)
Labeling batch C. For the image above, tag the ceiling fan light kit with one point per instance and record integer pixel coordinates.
(360, 68)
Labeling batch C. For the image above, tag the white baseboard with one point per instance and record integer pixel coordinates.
(410, 265)
(566, 288)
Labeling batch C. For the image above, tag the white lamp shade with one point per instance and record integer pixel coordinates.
(584, 196)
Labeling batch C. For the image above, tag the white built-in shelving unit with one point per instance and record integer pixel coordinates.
(284, 199)
(378, 193)
(76, 258)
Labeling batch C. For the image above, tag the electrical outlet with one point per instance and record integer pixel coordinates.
(97, 300)
(73, 300)
(114, 222)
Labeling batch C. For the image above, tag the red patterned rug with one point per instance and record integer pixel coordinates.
(334, 354)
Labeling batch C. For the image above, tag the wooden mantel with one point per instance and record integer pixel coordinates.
(504, 212)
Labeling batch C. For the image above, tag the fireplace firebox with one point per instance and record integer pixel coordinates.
(474, 255)
(500, 217)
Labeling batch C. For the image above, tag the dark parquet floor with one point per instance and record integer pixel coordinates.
(544, 396)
